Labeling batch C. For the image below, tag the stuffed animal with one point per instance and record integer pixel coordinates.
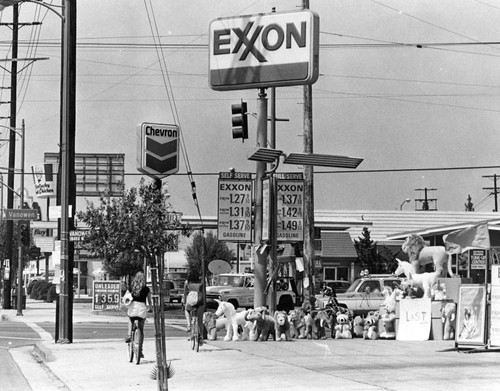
(388, 319)
(448, 316)
(358, 327)
(438, 291)
(264, 324)
(309, 325)
(343, 328)
(371, 326)
(234, 319)
(213, 324)
(320, 324)
(297, 323)
(282, 326)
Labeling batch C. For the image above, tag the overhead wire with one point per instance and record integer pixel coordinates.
(173, 106)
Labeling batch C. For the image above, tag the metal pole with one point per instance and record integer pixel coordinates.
(260, 266)
(21, 247)
(67, 166)
(273, 215)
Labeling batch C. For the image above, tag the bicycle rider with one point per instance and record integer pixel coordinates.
(193, 283)
(138, 309)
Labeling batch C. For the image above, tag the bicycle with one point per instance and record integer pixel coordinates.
(194, 331)
(135, 345)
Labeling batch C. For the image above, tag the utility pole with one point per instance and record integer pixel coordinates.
(494, 189)
(309, 263)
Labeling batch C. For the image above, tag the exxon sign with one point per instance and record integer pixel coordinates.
(157, 149)
(264, 50)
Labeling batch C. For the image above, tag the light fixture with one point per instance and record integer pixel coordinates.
(267, 155)
(317, 159)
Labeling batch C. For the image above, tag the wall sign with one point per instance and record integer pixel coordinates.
(290, 207)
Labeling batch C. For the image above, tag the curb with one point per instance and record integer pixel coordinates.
(43, 352)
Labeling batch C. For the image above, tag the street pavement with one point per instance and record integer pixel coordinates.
(356, 365)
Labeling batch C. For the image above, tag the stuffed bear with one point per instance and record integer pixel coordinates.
(343, 328)
(359, 326)
(371, 326)
(264, 324)
(282, 325)
(297, 323)
(320, 323)
(388, 319)
(448, 317)
(309, 325)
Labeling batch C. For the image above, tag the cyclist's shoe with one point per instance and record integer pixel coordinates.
(128, 339)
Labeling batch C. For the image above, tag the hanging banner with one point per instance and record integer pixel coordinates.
(44, 179)
(290, 207)
(266, 211)
(414, 320)
(234, 219)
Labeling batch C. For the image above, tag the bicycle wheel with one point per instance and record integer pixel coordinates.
(131, 346)
(137, 346)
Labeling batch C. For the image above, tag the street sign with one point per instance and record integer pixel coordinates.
(21, 214)
(264, 50)
(234, 220)
(106, 295)
(290, 207)
(157, 149)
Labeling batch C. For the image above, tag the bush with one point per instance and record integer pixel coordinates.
(30, 286)
(51, 294)
(40, 290)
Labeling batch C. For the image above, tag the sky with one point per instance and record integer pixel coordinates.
(410, 86)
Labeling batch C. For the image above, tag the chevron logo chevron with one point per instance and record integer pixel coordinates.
(161, 166)
(161, 149)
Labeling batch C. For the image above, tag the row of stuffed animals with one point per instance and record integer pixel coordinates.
(258, 325)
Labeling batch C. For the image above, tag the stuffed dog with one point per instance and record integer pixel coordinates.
(282, 326)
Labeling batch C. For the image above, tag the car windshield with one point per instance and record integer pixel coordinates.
(236, 281)
(353, 287)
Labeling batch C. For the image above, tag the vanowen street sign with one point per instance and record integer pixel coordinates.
(21, 214)
(157, 149)
(264, 50)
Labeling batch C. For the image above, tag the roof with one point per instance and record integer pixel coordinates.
(337, 244)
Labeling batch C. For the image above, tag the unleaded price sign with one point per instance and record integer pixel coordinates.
(290, 207)
(234, 222)
(106, 295)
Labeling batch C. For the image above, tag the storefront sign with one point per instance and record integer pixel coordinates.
(478, 259)
(414, 320)
(234, 222)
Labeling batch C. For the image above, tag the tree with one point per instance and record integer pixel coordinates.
(210, 246)
(127, 229)
(371, 257)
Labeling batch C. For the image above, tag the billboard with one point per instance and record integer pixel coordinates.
(264, 50)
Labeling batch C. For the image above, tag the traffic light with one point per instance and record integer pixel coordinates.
(240, 120)
(24, 230)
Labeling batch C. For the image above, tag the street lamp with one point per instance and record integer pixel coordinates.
(404, 202)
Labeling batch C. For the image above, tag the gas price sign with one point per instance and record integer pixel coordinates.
(290, 207)
(106, 295)
(234, 220)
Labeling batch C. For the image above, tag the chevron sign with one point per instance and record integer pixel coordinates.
(157, 149)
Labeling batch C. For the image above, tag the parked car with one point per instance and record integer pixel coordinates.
(172, 292)
(338, 286)
(364, 294)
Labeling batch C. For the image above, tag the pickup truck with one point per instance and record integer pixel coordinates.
(238, 289)
(364, 294)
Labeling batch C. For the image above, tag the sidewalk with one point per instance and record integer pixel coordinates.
(298, 365)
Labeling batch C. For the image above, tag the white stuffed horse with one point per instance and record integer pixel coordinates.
(425, 280)
(234, 319)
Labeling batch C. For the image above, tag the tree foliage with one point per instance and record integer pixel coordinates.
(211, 247)
(372, 258)
(128, 229)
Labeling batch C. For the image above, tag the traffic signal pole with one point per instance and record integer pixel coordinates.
(260, 266)
(20, 260)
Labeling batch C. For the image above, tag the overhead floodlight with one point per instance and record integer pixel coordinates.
(267, 155)
(316, 159)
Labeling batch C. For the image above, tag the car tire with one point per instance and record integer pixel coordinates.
(233, 302)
